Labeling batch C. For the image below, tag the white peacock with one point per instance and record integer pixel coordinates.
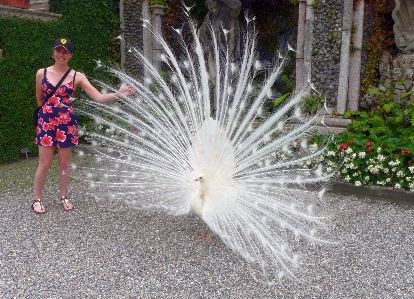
(179, 146)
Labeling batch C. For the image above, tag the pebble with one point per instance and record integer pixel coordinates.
(104, 249)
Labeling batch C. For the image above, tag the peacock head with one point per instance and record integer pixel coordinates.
(200, 178)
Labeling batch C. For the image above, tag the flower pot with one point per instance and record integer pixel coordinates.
(15, 3)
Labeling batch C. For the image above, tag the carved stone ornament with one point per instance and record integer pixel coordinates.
(403, 16)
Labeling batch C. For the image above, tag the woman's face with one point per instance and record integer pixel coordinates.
(61, 55)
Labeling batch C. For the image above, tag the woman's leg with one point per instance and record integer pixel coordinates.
(64, 155)
(45, 161)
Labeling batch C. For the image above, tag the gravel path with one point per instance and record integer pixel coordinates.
(103, 249)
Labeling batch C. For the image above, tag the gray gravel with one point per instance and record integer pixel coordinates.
(104, 249)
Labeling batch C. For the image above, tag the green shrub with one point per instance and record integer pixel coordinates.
(377, 148)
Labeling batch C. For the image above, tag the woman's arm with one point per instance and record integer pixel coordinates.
(39, 93)
(91, 91)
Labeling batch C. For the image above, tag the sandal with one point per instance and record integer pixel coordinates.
(65, 203)
(38, 202)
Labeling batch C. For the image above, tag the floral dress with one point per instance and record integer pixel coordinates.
(57, 122)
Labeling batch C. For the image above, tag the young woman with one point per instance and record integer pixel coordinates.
(57, 123)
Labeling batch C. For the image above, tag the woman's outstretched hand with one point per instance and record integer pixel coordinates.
(126, 90)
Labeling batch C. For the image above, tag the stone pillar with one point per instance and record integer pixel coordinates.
(157, 12)
(146, 34)
(122, 26)
(345, 55)
(307, 49)
(354, 84)
(300, 45)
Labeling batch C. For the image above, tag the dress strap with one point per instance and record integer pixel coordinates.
(74, 76)
(44, 73)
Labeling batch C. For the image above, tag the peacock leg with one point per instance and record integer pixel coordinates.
(203, 234)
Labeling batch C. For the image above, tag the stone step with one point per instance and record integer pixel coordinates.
(39, 5)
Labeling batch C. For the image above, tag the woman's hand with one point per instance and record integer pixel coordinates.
(126, 90)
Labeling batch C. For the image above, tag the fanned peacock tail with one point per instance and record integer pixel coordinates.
(178, 126)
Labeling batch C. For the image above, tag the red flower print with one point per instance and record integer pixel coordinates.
(54, 121)
(46, 140)
(49, 91)
(38, 130)
(54, 100)
(75, 140)
(61, 91)
(40, 121)
(71, 110)
(70, 84)
(72, 130)
(60, 135)
(64, 117)
(67, 100)
(47, 109)
(44, 87)
(48, 126)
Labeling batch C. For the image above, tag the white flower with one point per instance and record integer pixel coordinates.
(379, 150)
(358, 183)
(349, 150)
(411, 168)
(388, 180)
(400, 174)
(408, 179)
(397, 186)
(386, 170)
(329, 169)
(362, 155)
(381, 158)
(313, 148)
(394, 163)
(366, 178)
(380, 183)
(347, 178)
(330, 154)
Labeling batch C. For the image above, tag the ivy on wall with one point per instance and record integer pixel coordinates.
(27, 46)
(381, 39)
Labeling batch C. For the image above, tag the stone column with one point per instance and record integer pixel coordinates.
(300, 45)
(146, 35)
(345, 55)
(307, 49)
(122, 26)
(354, 84)
(157, 12)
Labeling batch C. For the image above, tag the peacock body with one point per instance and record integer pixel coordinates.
(181, 146)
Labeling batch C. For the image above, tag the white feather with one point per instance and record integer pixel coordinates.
(177, 153)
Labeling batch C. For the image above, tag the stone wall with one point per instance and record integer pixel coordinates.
(396, 79)
(326, 48)
(133, 35)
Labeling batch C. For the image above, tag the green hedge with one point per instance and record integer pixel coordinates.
(27, 46)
